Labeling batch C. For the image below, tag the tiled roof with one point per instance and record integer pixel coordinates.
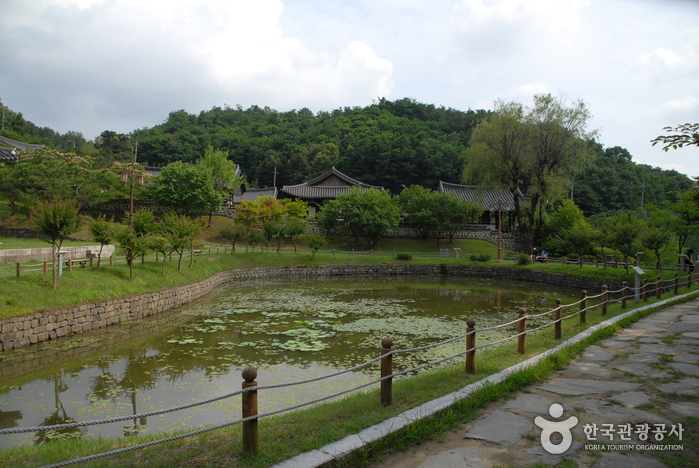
(152, 170)
(253, 194)
(320, 192)
(8, 155)
(485, 197)
(19, 145)
(310, 189)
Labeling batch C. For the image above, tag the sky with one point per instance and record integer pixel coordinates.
(121, 65)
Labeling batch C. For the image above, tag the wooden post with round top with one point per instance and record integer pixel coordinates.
(624, 287)
(583, 306)
(645, 290)
(521, 331)
(471, 346)
(558, 314)
(689, 279)
(657, 287)
(386, 370)
(674, 284)
(250, 409)
(605, 299)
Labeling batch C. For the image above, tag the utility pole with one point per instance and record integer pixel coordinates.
(275, 176)
(133, 174)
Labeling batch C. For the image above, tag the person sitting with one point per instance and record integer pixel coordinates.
(543, 257)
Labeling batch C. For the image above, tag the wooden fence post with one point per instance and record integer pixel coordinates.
(624, 287)
(521, 329)
(352, 251)
(583, 306)
(657, 288)
(372, 252)
(605, 299)
(111, 260)
(689, 279)
(644, 290)
(558, 314)
(470, 346)
(386, 370)
(46, 267)
(70, 265)
(209, 253)
(333, 251)
(250, 409)
(17, 269)
(675, 281)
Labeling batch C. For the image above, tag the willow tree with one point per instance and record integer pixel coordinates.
(533, 149)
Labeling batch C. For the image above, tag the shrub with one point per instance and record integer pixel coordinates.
(573, 256)
(524, 260)
(404, 256)
(479, 257)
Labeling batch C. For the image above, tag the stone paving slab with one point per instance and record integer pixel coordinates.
(643, 371)
(687, 369)
(657, 349)
(531, 403)
(501, 427)
(539, 455)
(625, 461)
(632, 399)
(586, 387)
(465, 457)
(685, 408)
(594, 353)
(683, 387)
(644, 357)
(691, 335)
(589, 369)
(618, 413)
(687, 358)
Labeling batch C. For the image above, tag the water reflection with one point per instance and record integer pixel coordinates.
(289, 330)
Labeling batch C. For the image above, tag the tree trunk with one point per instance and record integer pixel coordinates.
(99, 259)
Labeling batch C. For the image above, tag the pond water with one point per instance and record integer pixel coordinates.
(289, 331)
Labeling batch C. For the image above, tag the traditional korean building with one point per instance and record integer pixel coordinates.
(323, 188)
(490, 199)
(8, 156)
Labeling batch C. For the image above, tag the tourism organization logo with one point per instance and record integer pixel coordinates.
(548, 428)
(648, 435)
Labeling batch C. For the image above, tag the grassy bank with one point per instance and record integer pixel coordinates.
(285, 436)
(32, 292)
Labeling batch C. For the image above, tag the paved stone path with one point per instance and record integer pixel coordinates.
(620, 381)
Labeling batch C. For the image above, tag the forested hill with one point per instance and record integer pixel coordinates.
(391, 144)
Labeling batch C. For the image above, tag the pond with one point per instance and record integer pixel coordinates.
(288, 330)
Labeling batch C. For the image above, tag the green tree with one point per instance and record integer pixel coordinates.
(161, 245)
(315, 242)
(101, 231)
(253, 239)
(688, 134)
(223, 174)
(578, 238)
(420, 205)
(534, 150)
(232, 234)
(656, 239)
(187, 187)
(180, 232)
(56, 220)
(371, 214)
(623, 231)
(453, 214)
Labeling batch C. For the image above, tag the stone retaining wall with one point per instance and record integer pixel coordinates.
(55, 323)
(46, 254)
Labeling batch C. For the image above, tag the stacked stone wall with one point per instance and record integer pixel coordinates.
(60, 322)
